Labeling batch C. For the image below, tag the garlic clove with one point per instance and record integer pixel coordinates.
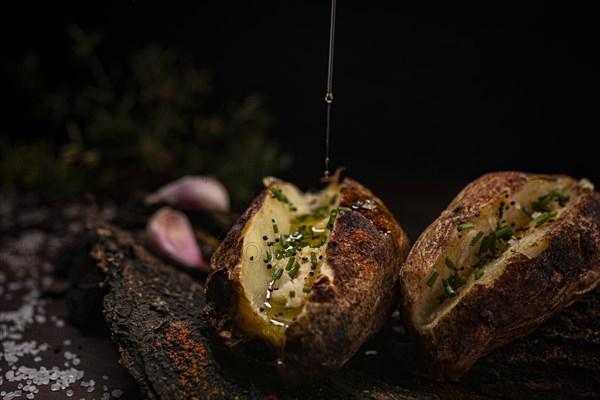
(170, 235)
(192, 193)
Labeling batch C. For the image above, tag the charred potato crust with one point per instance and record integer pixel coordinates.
(365, 250)
(521, 295)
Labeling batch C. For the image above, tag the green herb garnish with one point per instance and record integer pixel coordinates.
(277, 274)
(544, 201)
(432, 278)
(275, 228)
(449, 263)
(528, 212)
(478, 274)
(344, 209)
(306, 289)
(290, 263)
(294, 271)
(462, 227)
(505, 233)
(292, 294)
(545, 217)
(476, 238)
(333, 199)
(269, 255)
(313, 259)
(278, 194)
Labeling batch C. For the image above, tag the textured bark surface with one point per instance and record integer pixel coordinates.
(154, 316)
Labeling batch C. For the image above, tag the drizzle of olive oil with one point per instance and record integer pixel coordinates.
(329, 92)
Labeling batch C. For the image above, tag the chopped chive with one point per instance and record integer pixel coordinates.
(313, 259)
(333, 199)
(528, 212)
(269, 255)
(320, 208)
(344, 209)
(306, 289)
(476, 238)
(275, 228)
(562, 196)
(478, 274)
(504, 233)
(290, 263)
(433, 278)
(492, 244)
(448, 289)
(485, 244)
(545, 217)
(357, 203)
(277, 274)
(481, 262)
(449, 263)
(294, 271)
(278, 194)
(292, 294)
(465, 226)
(278, 254)
(331, 218)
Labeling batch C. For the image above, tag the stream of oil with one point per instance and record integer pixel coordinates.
(329, 92)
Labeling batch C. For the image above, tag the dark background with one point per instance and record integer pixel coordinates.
(427, 96)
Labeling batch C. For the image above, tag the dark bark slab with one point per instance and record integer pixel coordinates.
(154, 313)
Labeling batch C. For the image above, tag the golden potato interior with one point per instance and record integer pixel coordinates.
(476, 254)
(283, 252)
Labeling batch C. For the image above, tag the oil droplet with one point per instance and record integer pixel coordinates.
(329, 97)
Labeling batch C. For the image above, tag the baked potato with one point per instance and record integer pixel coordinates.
(511, 250)
(303, 279)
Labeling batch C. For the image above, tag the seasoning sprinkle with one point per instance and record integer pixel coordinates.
(292, 294)
(306, 289)
(275, 228)
(449, 263)
(478, 274)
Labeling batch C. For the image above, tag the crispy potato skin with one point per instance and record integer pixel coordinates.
(365, 251)
(528, 292)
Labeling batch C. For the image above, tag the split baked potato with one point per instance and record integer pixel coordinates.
(511, 250)
(303, 279)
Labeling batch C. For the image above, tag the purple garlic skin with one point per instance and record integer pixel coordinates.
(170, 235)
(192, 193)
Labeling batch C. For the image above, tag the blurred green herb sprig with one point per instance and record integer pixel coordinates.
(138, 127)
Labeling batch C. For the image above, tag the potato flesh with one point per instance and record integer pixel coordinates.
(527, 240)
(265, 312)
